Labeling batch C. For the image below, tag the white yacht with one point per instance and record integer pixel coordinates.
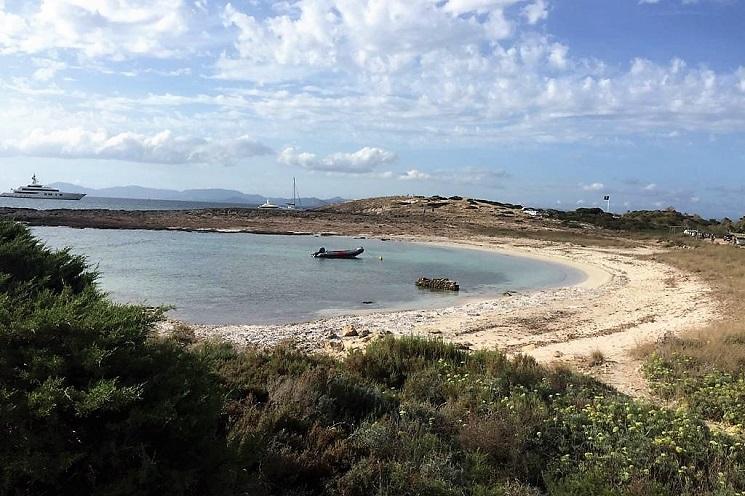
(266, 204)
(41, 192)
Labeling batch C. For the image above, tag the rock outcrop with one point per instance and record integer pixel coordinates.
(442, 284)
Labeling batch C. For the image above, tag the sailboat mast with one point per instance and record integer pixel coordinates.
(297, 195)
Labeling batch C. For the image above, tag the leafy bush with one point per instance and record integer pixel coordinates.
(26, 267)
(89, 401)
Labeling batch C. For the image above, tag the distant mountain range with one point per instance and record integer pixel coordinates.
(196, 195)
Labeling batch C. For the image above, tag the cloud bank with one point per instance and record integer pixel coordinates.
(161, 148)
(465, 71)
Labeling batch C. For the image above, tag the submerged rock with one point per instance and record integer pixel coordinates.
(439, 284)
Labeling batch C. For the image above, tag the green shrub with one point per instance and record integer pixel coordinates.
(90, 402)
(389, 360)
(27, 267)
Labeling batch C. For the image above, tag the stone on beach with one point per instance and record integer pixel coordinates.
(349, 331)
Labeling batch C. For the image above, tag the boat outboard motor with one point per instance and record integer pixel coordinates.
(320, 250)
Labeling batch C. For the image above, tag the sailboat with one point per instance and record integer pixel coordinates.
(295, 203)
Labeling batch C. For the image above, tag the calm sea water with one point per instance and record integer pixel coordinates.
(92, 202)
(246, 278)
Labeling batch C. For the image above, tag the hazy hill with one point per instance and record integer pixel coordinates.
(214, 195)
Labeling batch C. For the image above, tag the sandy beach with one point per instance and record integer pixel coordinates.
(627, 298)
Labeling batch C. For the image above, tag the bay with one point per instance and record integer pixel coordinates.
(216, 278)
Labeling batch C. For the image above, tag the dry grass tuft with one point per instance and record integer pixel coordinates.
(596, 358)
(183, 334)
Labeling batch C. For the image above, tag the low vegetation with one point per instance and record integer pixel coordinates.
(643, 220)
(93, 402)
(705, 369)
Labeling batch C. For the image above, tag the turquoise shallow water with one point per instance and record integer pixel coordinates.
(247, 278)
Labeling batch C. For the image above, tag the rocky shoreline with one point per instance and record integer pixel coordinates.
(344, 332)
(454, 218)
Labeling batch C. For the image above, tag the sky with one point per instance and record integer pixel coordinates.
(550, 103)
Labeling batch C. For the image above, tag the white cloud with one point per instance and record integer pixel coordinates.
(47, 69)
(362, 161)
(162, 148)
(472, 176)
(372, 40)
(95, 28)
(414, 175)
(650, 187)
(593, 187)
(536, 11)
(558, 56)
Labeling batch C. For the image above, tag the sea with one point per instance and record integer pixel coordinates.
(236, 278)
(92, 202)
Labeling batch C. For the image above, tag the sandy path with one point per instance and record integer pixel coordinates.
(624, 301)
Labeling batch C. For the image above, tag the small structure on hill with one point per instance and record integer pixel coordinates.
(441, 284)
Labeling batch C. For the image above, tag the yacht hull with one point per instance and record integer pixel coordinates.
(36, 196)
